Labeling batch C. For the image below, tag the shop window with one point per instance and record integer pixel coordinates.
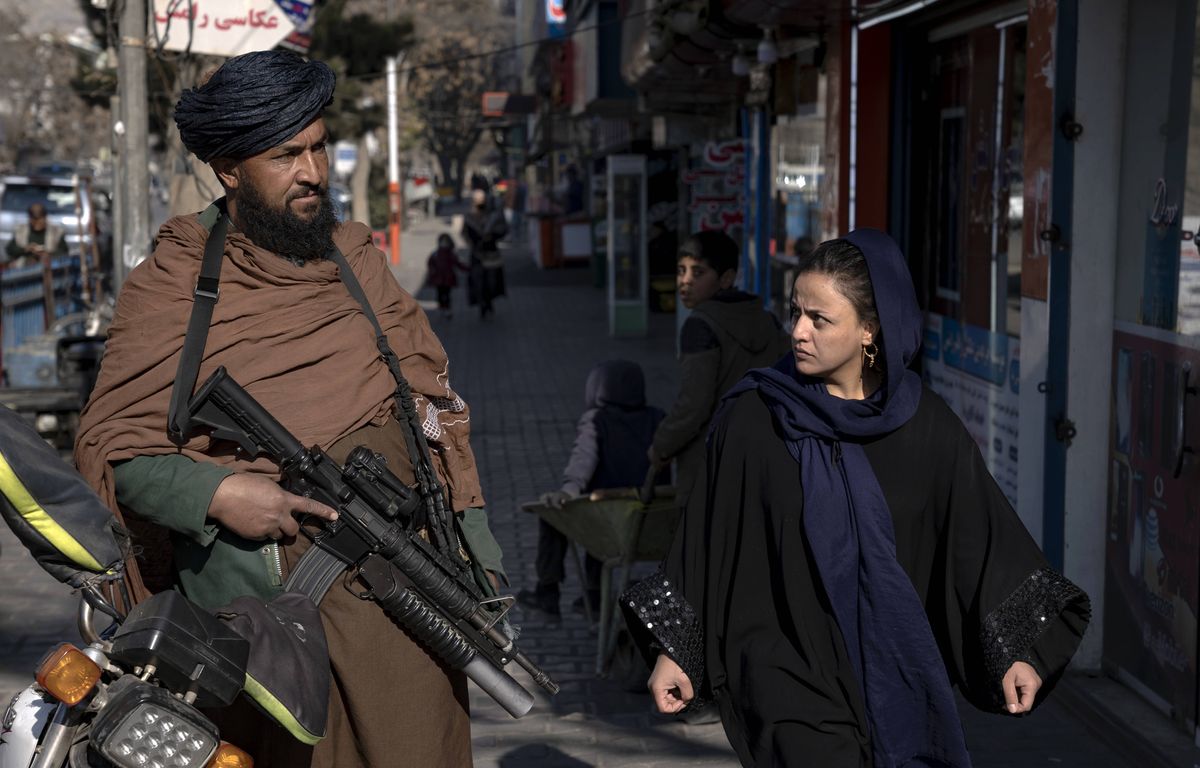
(946, 232)
(799, 219)
(1187, 316)
(968, 187)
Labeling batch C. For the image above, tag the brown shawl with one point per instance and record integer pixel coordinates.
(292, 336)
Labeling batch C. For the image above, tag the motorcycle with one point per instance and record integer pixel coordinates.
(130, 697)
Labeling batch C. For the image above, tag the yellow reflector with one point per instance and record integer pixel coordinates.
(229, 756)
(68, 675)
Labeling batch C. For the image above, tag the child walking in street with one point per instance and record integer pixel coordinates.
(443, 269)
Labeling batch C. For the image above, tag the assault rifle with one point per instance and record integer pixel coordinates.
(406, 553)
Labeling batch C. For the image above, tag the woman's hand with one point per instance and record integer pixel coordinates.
(255, 507)
(669, 685)
(1021, 684)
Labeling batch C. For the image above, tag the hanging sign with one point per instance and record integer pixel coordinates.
(227, 27)
(556, 18)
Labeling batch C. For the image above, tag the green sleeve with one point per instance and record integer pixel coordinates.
(480, 541)
(12, 250)
(171, 490)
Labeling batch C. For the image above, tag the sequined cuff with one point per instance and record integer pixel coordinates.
(1011, 629)
(663, 622)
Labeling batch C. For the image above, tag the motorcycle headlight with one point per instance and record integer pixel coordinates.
(144, 726)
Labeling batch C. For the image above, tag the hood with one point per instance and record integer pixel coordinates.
(615, 382)
(741, 315)
(802, 406)
(900, 319)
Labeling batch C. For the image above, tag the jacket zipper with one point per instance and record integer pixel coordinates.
(272, 553)
(837, 451)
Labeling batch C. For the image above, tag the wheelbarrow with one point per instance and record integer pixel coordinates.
(618, 527)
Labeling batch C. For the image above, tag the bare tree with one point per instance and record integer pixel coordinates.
(453, 68)
(41, 117)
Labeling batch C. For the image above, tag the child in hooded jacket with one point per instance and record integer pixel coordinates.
(611, 440)
(443, 266)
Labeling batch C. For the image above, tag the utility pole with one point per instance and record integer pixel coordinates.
(134, 141)
(393, 147)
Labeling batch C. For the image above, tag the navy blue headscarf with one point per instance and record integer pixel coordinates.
(910, 706)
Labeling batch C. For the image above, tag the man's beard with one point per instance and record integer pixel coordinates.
(282, 231)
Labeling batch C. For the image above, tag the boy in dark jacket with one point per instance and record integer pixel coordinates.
(727, 334)
(443, 269)
(611, 439)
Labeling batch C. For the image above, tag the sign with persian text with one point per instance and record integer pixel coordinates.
(716, 183)
(228, 27)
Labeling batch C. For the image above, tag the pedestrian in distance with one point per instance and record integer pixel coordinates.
(849, 557)
(727, 333)
(611, 438)
(287, 328)
(483, 228)
(443, 266)
(36, 238)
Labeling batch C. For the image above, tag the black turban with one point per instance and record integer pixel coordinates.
(252, 103)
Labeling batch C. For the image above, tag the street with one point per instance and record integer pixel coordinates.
(523, 371)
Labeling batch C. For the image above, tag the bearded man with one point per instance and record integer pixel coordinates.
(288, 330)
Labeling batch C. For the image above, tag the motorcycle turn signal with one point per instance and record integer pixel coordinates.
(67, 674)
(229, 756)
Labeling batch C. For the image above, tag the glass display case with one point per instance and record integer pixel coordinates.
(628, 265)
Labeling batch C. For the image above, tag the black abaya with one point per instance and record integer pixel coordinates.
(763, 640)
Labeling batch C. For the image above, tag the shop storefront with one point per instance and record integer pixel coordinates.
(948, 180)
(1153, 531)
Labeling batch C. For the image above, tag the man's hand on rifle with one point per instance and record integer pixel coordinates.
(255, 507)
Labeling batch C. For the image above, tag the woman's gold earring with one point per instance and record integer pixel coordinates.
(870, 352)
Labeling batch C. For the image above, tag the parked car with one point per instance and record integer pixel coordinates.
(69, 204)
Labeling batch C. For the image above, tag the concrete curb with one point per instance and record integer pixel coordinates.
(1146, 748)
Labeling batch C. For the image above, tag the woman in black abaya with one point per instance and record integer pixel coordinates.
(852, 558)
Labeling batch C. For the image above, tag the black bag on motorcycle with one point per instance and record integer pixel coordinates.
(53, 512)
(287, 674)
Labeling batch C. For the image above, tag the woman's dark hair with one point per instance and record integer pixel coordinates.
(445, 241)
(716, 249)
(842, 261)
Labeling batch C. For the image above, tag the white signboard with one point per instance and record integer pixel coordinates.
(345, 157)
(227, 27)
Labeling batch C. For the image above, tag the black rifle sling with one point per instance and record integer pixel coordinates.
(318, 569)
(204, 299)
(414, 435)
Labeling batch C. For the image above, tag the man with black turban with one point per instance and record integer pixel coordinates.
(290, 333)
